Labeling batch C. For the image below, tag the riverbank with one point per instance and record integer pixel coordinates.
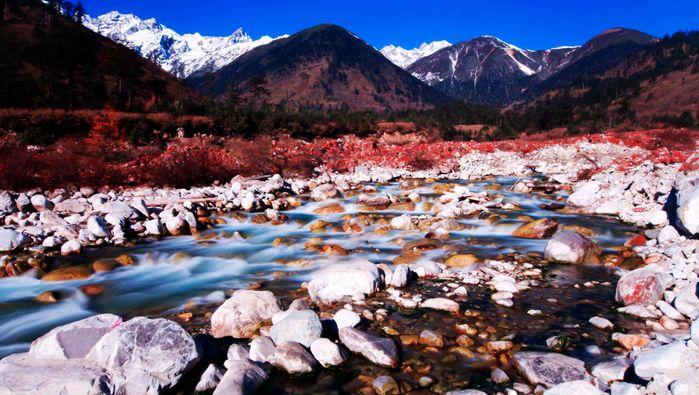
(601, 178)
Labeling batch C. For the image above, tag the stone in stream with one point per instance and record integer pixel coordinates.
(539, 229)
(210, 378)
(443, 304)
(346, 318)
(293, 358)
(574, 387)
(11, 240)
(549, 369)
(642, 286)
(379, 350)
(301, 326)
(262, 349)
(353, 279)
(74, 340)
(385, 385)
(98, 226)
(669, 359)
(71, 247)
(324, 192)
(327, 353)
(401, 276)
(585, 194)
(613, 370)
(242, 378)
(243, 313)
(571, 247)
(145, 355)
(23, 374)
(601, 323)
(461, 260)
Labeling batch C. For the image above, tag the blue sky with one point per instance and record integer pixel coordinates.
(527, 24)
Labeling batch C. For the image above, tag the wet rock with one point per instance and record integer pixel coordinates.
(335, 282)
(609, 371)
(461, 260)
(104, 265)
(443, 304)
(571, 247)
(262, 349)
(538, 229)
(431, 338)
(210, 378)
(668, 359)
(71, 247)
(330, 209)
(669, 311)
(499, 376)
(237, 352)
(301, 326)
(631, 341)
(324, 192)
(11, 240)
(74, 340)
(379, 350)
(346, 318)
(327, 353)
(98, 226)
(145, 355)
(574, 387)
(549, 369)
(23, 374)
(385, 385)
(78, 272)
(293, 358)
(243, 313)
(601, 323)
(154, 227)
(642, 286)
(466, 392)
(400, 277)
(242, 378)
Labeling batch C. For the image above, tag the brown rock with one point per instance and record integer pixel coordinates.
(330, 209)
(125, 259)
(538, 229)
(461, 260)
(77, 272)
(420, 245)
(431, 339)
(104, 265)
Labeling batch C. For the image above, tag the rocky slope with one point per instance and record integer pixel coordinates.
(179, 54)
(405, 57)
(325, 66)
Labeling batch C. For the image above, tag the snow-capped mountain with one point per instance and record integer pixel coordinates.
(405, 57)
(180, 54)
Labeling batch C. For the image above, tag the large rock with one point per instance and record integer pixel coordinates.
(571, 247)
(74, 340)
(243, 313)
(642, 286)
(613, 370)
(327, 353)
(293, 358)
(11, 240)
(119, 209)
(379, 350)
(98, 226)
(242, 378)
(668, 359)
(7, 203)
(686, 300)
(574, 387)
(145, 355)
(262, 349)
(324, 192)
(335, 282)
(21, 374)
(41, 202)
(549, 369)
(585, 194)
(301, 326)
(539, 229)
(687, 186)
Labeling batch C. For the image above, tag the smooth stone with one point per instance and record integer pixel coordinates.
(11, 240)
(686, 301)
(499, 376)
(601, 323)
(74, 340)
(346, 318)
(262, 349)
(400, 277)
(668, 359)
(242, 378)
(609, 371)
(71, 247)
(353, 279)
(327, 353)
(644, 285)
(443, 304)
(210, 378)
(385, 385)
(70, 273)
(301, 326)
(243, 313)
(461, 260)
(379, 350)
(571, 247)
(574, 387)
(539, 229)
(293, 358)
(549, 369)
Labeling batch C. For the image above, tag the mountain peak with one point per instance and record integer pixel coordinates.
(405, 57)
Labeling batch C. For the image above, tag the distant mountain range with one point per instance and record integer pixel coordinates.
(405, 57)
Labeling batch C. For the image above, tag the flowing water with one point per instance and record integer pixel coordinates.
(194, 273)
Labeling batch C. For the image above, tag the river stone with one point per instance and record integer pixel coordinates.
(71, 247)
(327, 353)
(571, 247)
(346, 318)
(242, 378)
(443, 304)
(686, 301)
(461, 260)
(210, 378)
(644, 285)
(549, 369)
(622, 388)
(11, 240)
(293, 358)
(97, 226)
(73, 206)
(379, 350)
(539, 229)
(119, 209)
(41, 202)
(74, 340)
(585, 194)
(613, 370)
(574, 387)
(324, 192)
(243, 313)
(400, 277)
(466, 392)
(237, 352)
(22, 374)
(145, 355)
(262, 349)
(302, 326)
(7, 203)
(668, 359)
(335, 282)
(386, 385)
(688, 209)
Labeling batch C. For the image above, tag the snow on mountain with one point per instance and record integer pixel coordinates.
(405, 57)
(180, 54)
